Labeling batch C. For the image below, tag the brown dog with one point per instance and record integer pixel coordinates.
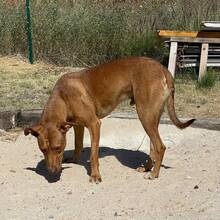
(81, 99)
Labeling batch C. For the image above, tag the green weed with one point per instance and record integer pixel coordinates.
(208, 81)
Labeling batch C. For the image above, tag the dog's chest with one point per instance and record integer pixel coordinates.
(102, 112)
(105, 107)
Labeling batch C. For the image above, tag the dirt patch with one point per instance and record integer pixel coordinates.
(188, 186)
(189, 183)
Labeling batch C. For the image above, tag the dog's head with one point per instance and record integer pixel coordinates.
(51, 141)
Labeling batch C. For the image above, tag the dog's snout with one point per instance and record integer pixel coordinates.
(53, 174)
(53, 166)
(53, 163)
(54, 170)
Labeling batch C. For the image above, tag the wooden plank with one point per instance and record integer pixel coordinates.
(203, 60)
(167, 33)
(209, 34)
(193, 34)
(195, 40)
(172, 58)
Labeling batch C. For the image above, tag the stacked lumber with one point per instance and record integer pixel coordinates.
(188, 55)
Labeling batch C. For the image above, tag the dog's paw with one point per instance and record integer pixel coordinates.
(141, 169)
(145, 168)
(150, 176)
(149, 165)
(96, 178)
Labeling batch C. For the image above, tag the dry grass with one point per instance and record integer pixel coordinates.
(193, 102)
(25, 86)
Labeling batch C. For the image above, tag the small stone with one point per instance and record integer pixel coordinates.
(51, 216)
(12, 171)
(69, 193)
(196, 187)
(116, 214)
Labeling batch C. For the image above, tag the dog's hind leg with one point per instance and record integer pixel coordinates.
(149, 114)
(150, 163)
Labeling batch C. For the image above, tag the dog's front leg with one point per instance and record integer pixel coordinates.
(94, 130)
(79, 133)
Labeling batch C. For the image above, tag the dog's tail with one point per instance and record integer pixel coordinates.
(172, 114)
(170, 104)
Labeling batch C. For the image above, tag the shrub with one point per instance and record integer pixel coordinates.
(208, 81)
(88, 32)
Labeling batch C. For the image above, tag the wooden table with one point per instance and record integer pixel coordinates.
(204, 38)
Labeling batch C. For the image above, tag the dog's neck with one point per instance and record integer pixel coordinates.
(55, 110)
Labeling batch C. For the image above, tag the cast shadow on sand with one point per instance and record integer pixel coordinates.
(41, 169)
(130, 158)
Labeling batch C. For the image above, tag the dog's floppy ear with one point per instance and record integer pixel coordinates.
(65, 126)
(34, 130)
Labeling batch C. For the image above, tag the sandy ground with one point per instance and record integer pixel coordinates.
(188, 187)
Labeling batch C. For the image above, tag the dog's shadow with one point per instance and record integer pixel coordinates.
(129, 158)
